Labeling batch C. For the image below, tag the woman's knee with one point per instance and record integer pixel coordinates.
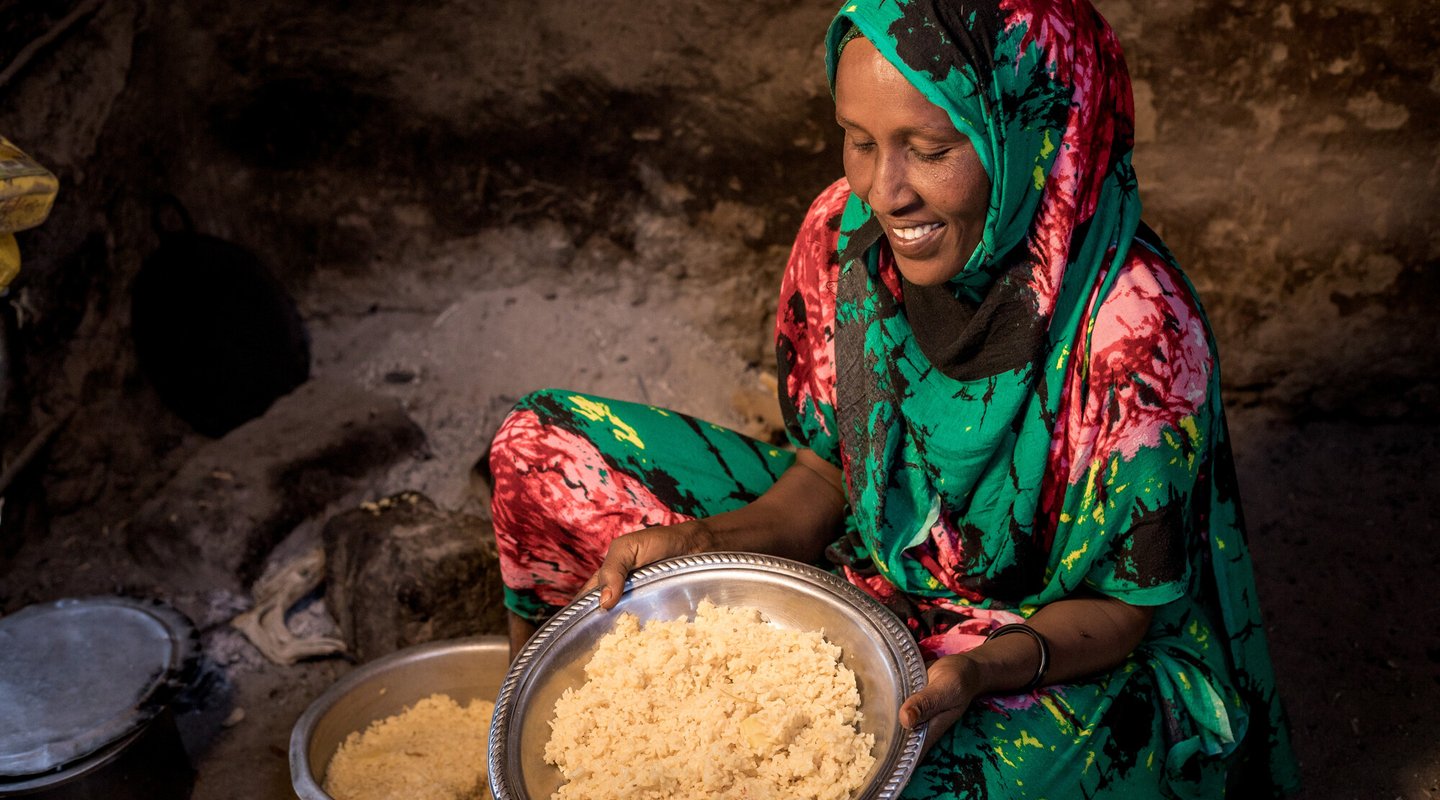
(522, 425)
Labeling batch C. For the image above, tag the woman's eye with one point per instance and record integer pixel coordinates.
(931, 155)
(860, 144)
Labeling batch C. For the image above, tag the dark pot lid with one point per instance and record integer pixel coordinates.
(78, 674)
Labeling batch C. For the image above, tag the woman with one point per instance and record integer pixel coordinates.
(1005, 406)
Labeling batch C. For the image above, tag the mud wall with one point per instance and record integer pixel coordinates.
(1285, 151)
(1287, 160)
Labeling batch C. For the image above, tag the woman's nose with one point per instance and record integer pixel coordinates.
(890, 189)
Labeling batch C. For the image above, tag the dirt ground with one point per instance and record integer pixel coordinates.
(1343, 530)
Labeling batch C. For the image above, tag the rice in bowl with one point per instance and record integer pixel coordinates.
(433, 750)
(725, 706)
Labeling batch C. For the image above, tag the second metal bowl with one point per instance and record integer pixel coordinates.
(465, 669)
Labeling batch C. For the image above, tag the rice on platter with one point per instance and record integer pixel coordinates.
(433, 750)
(727, 706)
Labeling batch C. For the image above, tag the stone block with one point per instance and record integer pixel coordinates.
(401, 571)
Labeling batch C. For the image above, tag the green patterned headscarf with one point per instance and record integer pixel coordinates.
(956, 419)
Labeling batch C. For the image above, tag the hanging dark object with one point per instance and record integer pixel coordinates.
(215, 332)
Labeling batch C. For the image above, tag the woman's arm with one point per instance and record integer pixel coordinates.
(796, 518)
(1087, 635)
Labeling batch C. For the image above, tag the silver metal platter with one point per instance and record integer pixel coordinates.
(873, 642)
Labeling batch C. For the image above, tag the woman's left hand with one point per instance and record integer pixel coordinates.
(952, 683)
(1086, 635)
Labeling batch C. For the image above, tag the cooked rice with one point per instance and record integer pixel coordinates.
(433, 750)
(728, 706)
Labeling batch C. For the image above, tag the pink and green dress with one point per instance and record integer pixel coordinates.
(1048, 423)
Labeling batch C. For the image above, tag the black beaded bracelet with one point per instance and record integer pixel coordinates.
(1016, 627)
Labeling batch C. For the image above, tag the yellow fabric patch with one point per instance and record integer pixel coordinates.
(1050, 706)
(1193, 430)
(27, 191)
(1047, 147)
(1088, 499)
(599, 412)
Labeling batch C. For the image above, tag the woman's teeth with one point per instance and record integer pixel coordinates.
(911, 234)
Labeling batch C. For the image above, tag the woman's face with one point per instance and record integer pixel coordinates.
(908, 162)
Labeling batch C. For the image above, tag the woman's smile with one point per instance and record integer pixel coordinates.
(916, 236)
(913, 242)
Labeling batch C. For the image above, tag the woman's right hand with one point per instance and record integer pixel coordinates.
(795, 518)
(634, 550)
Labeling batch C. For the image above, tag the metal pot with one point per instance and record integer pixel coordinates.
(86, 685)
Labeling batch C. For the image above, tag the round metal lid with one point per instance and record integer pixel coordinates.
(80, 673)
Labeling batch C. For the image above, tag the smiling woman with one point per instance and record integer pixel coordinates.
(1004, 403)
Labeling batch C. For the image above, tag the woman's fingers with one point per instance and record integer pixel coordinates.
(946, 695)
(589, 584)
(634, 550)
(620, 560)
